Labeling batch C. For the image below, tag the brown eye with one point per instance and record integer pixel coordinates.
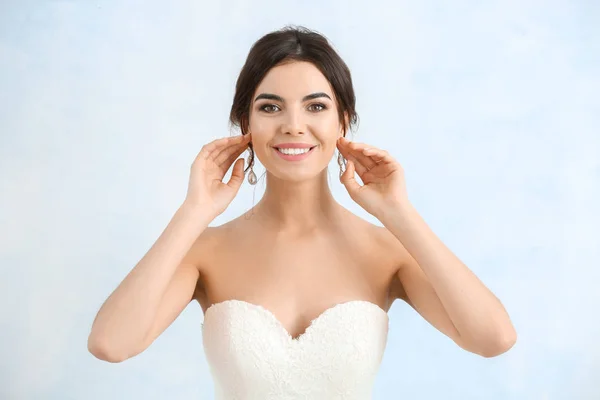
(319, 107)
(268, 108)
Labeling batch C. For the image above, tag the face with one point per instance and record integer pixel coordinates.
(294, 105)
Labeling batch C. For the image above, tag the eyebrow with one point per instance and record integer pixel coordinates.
(270, 96)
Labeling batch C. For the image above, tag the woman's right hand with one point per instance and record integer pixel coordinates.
(206, 188)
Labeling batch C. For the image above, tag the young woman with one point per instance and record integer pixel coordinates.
(296, 291)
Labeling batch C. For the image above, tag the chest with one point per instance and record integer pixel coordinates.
(296, 280)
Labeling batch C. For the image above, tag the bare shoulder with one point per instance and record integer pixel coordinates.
(378, 240)
(379, 236)
(212, 241)
(399, 258)
(202, 256)
(392, 245)
(389, 257)
(203, 248)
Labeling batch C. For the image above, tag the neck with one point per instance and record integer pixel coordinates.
(297, 207)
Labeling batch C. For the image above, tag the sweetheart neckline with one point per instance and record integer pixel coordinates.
(283, 328)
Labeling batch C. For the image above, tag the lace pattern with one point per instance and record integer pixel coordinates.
(252, 356)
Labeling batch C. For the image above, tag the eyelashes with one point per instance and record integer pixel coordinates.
(272, 108)
(266, 107)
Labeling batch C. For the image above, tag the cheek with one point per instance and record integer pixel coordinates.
(261, 129)
(332, 123)
(328, 130)
(261, 134)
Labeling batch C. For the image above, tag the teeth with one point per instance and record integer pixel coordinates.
(293, 151)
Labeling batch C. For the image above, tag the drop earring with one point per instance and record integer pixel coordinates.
(341, 162)
(252, 176)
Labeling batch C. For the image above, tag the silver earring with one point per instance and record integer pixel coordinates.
(341, 162)
(252, 176)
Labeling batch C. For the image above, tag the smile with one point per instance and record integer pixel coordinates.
(294, 154)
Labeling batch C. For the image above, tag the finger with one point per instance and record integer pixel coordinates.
(209, 149)
(358, 165)
(237, 175)
(224, 166)
(232, 148)
(348, 179)
(356, 149)
(360, 169)
(377, 155)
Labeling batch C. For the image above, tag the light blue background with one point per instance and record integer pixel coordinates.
(491, 107)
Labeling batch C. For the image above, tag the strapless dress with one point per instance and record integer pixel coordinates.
(253, 357)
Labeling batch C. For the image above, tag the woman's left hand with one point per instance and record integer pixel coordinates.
(383, 177)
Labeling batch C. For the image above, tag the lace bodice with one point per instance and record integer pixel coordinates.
(252, 356)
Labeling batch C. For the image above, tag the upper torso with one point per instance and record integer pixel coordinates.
(290, 317)
(298, 278)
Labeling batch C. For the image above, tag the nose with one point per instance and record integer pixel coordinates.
(293, 123)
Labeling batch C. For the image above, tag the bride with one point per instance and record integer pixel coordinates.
(295, 292)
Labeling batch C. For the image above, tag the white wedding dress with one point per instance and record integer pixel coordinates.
(252, 356)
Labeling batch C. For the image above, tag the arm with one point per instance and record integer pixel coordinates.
(445, 292)
(153, 294)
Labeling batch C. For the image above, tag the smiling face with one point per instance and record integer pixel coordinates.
(294, 105)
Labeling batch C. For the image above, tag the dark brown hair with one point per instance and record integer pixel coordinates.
(289, 44)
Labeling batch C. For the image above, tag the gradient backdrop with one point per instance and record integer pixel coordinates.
(492, 108)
